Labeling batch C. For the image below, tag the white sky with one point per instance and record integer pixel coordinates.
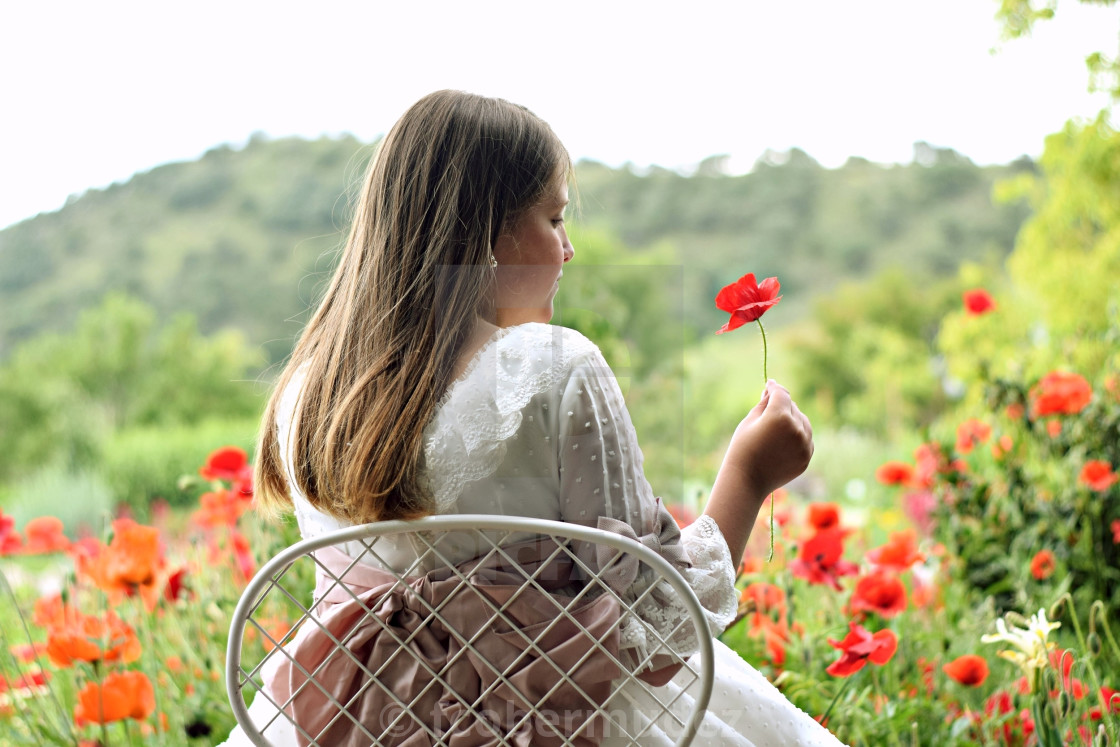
(93, 92)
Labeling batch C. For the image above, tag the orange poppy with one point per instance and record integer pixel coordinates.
(824, 515)
(970, 670)
(970, 433)
(895, 473)
(73, 636)
(1060, 393)
(899, 553)
(765, 607)
(219, 508)
(681, 514)
(1042, 565)
(243, 558)
(129, 565)
(44, 535)
(1097, 475)
(120, 695)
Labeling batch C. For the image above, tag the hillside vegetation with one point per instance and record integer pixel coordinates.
(243, 238)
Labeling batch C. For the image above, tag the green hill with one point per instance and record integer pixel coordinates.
(243, 238)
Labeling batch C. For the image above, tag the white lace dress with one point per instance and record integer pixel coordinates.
(536, 426)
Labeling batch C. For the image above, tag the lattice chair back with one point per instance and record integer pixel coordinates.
(519, 645)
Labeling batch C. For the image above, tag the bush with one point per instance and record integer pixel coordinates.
(141, 464)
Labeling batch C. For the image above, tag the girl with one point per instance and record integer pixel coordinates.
(429, 381)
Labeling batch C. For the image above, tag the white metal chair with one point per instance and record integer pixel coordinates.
(518, 646)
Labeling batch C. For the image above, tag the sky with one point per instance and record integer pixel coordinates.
(93, 93)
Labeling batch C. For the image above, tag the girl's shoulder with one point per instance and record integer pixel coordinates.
(545, 344)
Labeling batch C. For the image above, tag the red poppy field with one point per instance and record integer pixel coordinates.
(986, 618)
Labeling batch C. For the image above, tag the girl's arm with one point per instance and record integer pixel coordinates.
(771, 446)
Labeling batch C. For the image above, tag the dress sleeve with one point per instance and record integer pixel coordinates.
(602, 482)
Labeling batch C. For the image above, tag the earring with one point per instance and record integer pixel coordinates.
(493, 260)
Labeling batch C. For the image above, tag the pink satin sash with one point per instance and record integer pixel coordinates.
(372, 610)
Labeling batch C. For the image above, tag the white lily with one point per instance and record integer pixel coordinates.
(1033, 648)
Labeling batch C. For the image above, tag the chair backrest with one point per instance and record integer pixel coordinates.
(526, 642)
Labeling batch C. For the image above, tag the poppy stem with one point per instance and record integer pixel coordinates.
(765, 375)
(770, 555)
(766, 378)
(836, 697)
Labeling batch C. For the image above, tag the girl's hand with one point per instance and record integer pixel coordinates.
(773, 444)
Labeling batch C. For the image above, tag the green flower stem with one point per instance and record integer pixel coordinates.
(836, 697)
(765, 376)
(765, 379)
(770, 555)
(1099, 605)
(1067, 599)
(25, 711)
(1047, 736)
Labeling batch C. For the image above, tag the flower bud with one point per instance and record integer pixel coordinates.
(1050, 680)
(1093, 641)
(1065, 704)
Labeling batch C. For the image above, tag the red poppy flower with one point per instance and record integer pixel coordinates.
(1115, 525)
(824, 515)
(175, 587)
(1060, 393)
(978, 302)
(10, 540)
(970, 433)
(880, 591)
(895, 473)
(746, 300)
(1098, 475)
(44, 535)
(819, 560)
(970, 670)
(120, 695)
(1111, 700)
(226, 463)
(859, 647)
(899, 553)
(1042, 564)
(1013, 731)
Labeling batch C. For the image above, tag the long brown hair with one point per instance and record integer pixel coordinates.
(413, 279)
